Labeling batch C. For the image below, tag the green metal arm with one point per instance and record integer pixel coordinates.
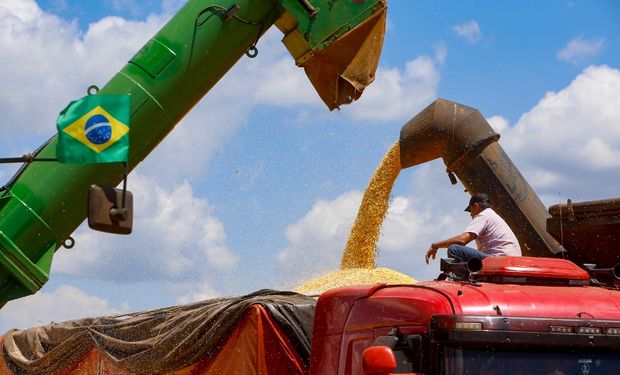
(47, 201)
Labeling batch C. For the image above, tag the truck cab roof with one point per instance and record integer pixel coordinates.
(508, 286)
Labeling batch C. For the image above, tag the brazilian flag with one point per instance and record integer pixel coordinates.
(94, 129)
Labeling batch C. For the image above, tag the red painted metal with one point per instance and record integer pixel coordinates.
(348, 320)
(338, 341)
(378, 360)
(533, 267)
(531, 300)
(522, 324)
(330, 318)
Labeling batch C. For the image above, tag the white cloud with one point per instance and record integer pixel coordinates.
(573, 132)
(470, 31)
(396, 94)
(601, 153)
(189, 292)
(47, 62)
(270, 79)
(498, 123)
(441, 52)
(402, 225)
(273, 79)
(316, 240)
(58, 6)
(563, 123)
(130, 6)
(544, 179)
(172, 6)
(580, 49)
(175, 237)
(64, 303)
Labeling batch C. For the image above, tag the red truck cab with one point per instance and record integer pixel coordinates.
(517, 315)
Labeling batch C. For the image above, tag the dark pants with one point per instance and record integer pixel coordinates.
(462, 253)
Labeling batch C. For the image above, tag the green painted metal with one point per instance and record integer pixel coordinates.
(332, 19)
(166, 78)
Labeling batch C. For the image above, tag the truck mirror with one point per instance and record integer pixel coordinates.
(378, 360)
(106, 212)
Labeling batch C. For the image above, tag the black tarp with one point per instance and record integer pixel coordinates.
(155, 341)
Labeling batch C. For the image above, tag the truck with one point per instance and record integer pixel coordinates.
(553, 311)
(544, 313)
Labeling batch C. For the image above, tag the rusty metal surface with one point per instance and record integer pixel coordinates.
(468, 146)
(588, 230)
(341, 71)
(571, 210)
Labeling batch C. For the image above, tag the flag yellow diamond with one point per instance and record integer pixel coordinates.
(97, 129)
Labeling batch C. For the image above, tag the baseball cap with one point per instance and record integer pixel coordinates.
(478, 198)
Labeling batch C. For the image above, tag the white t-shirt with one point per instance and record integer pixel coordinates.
(494, 234)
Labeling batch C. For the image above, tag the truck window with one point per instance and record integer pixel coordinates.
(408, 352)
(457, 361)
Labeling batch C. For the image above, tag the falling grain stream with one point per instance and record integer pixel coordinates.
(360, 253)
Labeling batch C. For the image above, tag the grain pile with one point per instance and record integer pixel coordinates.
(359, 256)
(353, 276)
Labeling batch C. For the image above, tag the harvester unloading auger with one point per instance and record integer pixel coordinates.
(468, 145)
(337, 43)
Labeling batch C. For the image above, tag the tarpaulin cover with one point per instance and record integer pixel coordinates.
(173, 338)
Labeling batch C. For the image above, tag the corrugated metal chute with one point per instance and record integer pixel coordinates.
(468, 146)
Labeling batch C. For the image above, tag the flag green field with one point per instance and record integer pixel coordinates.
(94, 129)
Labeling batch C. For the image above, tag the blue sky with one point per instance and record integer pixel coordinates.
(269, 181)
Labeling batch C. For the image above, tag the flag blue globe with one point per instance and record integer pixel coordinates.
(98, 129)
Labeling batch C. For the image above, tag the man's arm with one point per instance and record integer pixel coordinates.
(461, 239)
(478, 244)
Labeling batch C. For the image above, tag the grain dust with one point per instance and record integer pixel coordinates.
(359, 256)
